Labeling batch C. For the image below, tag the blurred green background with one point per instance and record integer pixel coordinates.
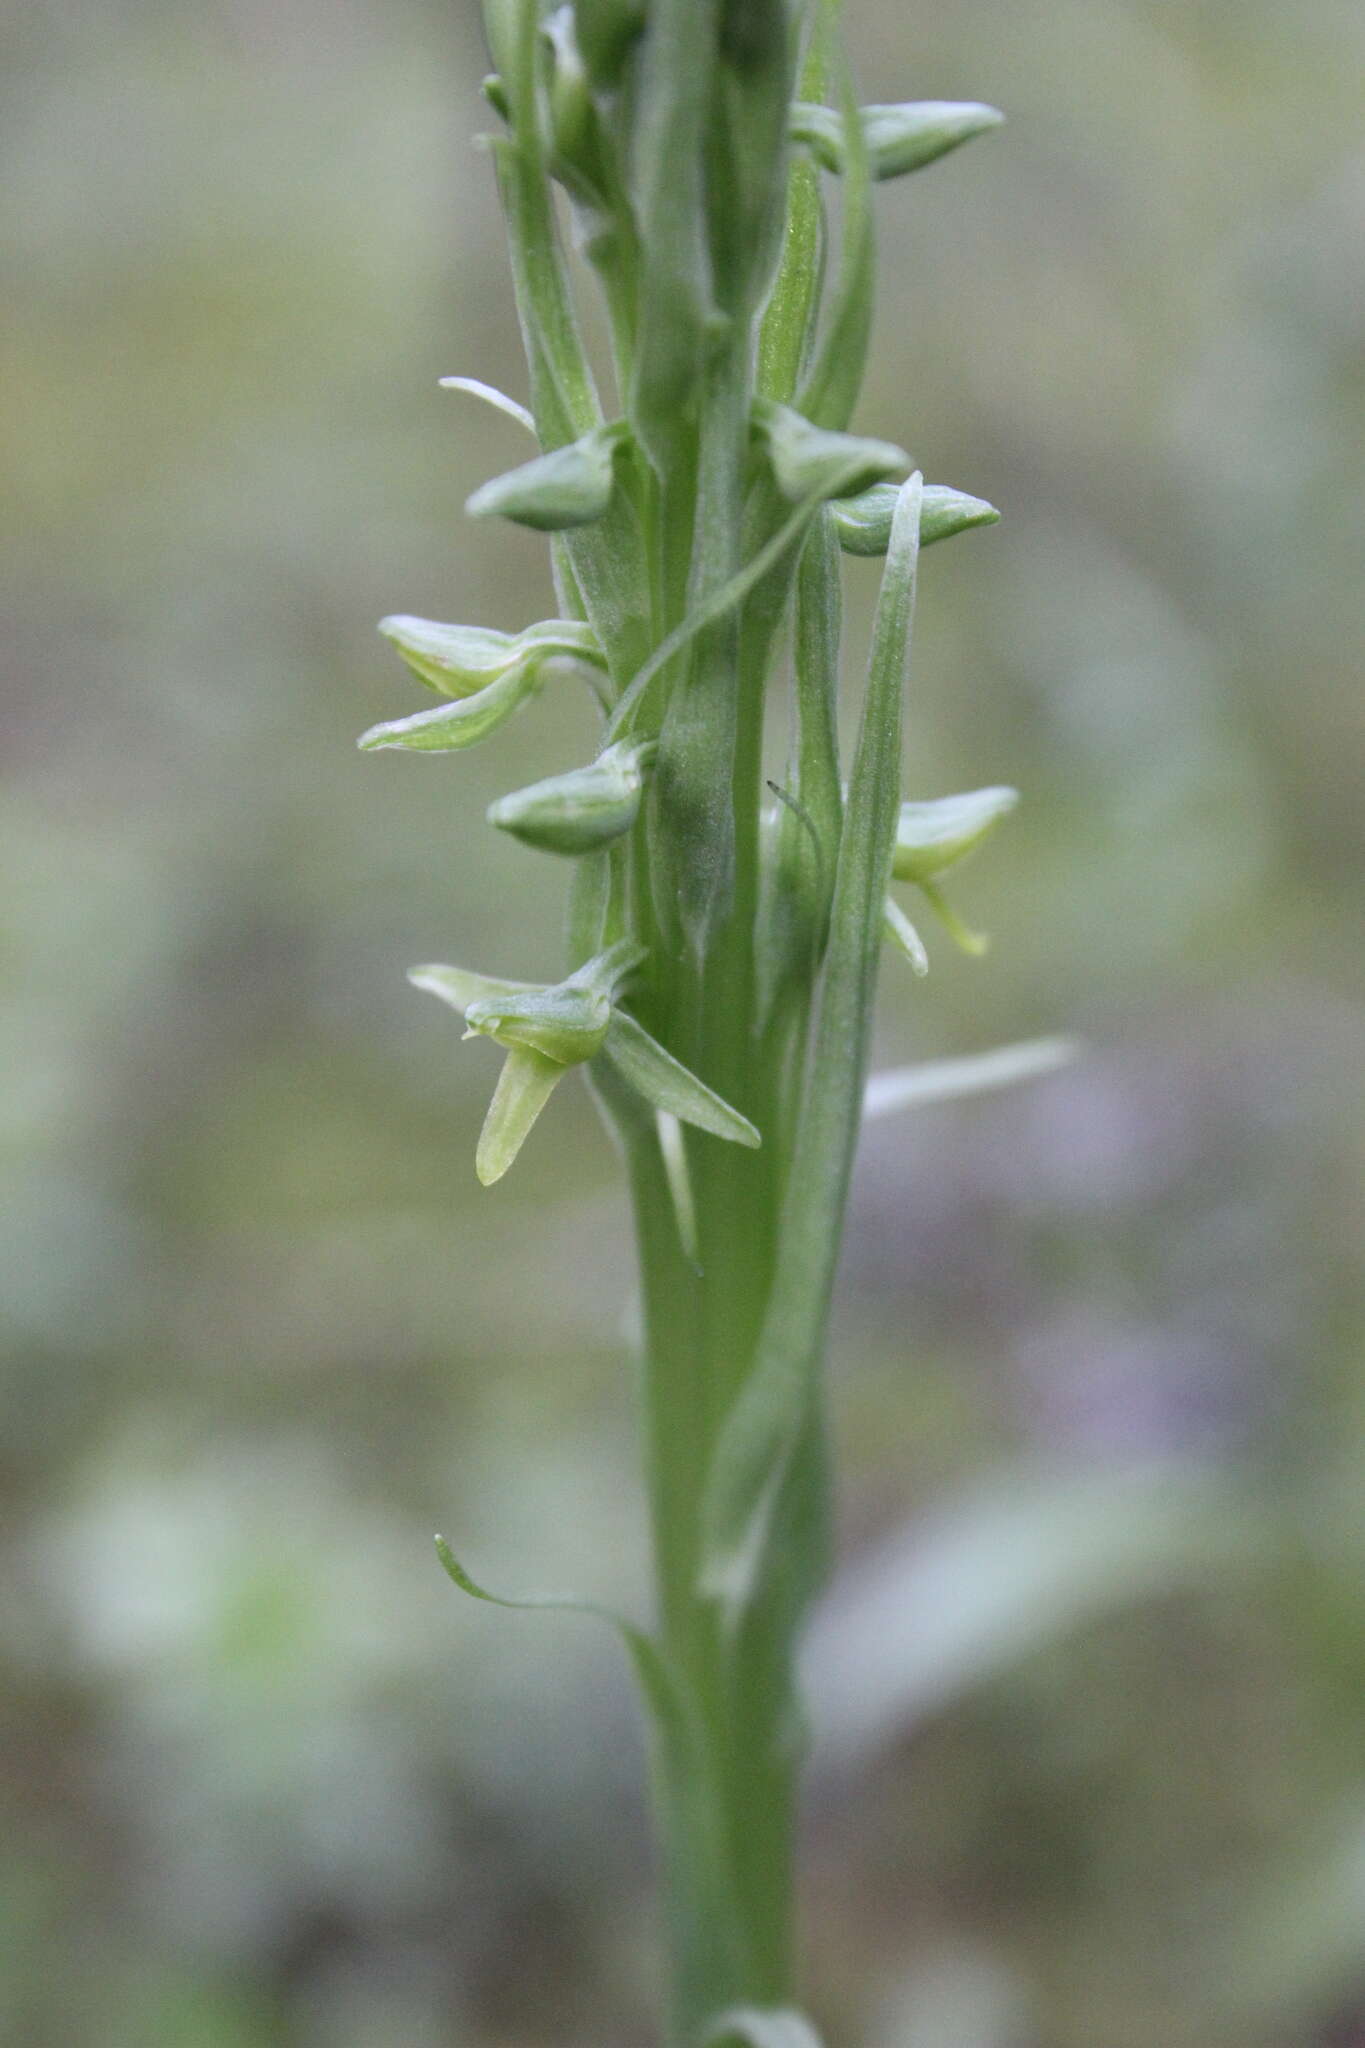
(1090, 1685)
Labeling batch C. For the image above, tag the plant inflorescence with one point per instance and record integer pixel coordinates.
(725, 922)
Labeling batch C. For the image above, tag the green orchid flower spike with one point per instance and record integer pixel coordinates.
(726, 914)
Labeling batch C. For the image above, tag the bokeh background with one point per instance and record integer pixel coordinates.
(1090, 1684)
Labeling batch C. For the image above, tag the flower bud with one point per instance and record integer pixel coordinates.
(459, 661)
(897, 138)
(807, 458)
(571, 486)
(863, 523)
(584, 809)
(933, 836)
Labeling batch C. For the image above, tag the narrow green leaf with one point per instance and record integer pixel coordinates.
(897, 139)
(474, 387)
(863, 523)
(946, 1080)
(759, 1437)
(448, 728)
(525, 1085)
(695, 1854)
(664, 1081)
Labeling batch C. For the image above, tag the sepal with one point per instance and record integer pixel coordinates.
(667, 1083)
(586, 808)
(571, 486)
(526, 1083)
(448, 728)
(897, 138)
(863, 522)
(936, 835)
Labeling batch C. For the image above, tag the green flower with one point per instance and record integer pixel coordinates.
(488, 676)
(547, 1029)
(930, 838)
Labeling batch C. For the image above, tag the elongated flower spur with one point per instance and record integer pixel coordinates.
(725, 919)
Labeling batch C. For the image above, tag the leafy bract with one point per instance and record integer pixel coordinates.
(766, 1424)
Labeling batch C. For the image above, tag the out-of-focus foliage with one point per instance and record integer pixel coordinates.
(1092, 1767)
